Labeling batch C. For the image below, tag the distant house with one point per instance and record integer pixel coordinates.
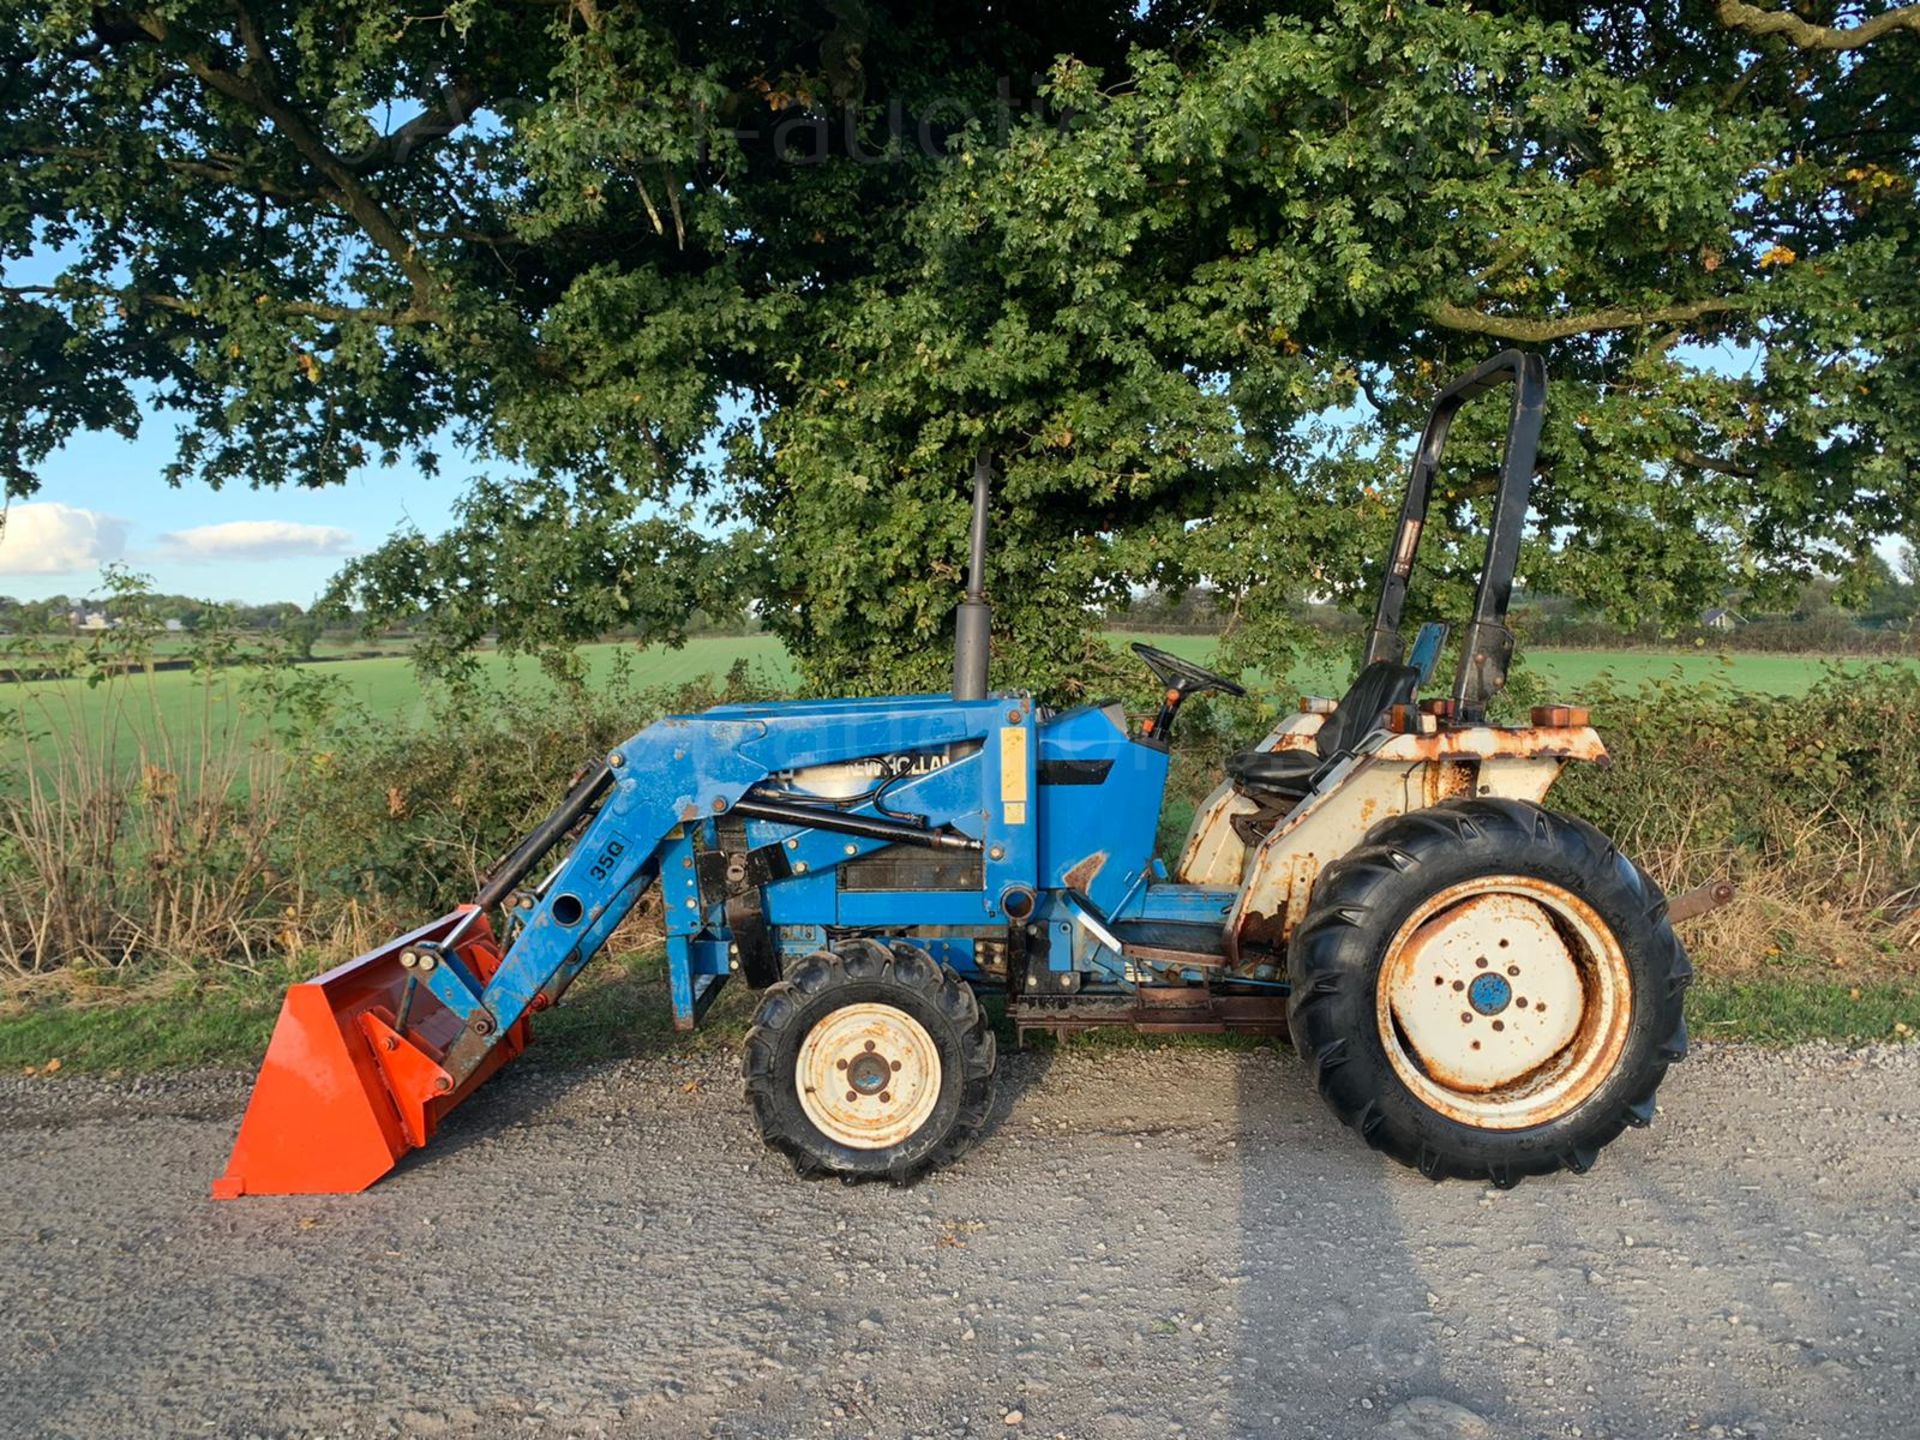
(89, 620)
(1720, 618)
(174, 627)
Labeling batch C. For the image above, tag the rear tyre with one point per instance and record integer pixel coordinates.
(869, 1062)
(1488, 990)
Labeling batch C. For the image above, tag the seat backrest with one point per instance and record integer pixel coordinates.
(1377, 687)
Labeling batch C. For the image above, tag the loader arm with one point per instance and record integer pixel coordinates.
(662, 780)
(367, 1060)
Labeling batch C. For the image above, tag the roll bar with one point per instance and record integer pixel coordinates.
(1487, 647)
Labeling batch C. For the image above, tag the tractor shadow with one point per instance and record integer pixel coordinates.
(1335, 1325)
(1365, 1286)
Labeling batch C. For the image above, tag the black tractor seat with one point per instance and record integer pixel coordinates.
(1287, 775)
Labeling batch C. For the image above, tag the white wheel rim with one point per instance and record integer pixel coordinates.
(1504, 1002)
(868, 1076)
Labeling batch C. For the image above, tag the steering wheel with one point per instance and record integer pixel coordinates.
(1183, 675)
(1182, 678)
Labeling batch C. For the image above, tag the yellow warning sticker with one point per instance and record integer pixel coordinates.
(1013, 773)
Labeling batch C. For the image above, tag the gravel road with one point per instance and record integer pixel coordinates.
(1151, 1243)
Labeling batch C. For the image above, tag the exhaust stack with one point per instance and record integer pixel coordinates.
(973, 624)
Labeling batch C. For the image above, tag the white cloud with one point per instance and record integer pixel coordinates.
(51, 539)
(256, 540)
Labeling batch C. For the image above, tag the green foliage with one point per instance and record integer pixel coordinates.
(1757, 772)
(1777, 1010)
(202, 870)
(1190, 274)
(618, 1009)
(128, 837)
(411, 816)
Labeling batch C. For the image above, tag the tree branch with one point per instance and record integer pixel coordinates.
(1513, 327)
(215, 168)
(1719, 467)
(462, 99)
(299, 309)
(261, 97)
(1755, 21)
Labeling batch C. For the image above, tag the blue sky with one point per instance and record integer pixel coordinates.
(103, 499)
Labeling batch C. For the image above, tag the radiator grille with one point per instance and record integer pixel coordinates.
(914, 867)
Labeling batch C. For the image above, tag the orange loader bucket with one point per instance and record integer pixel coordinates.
(343, 1093)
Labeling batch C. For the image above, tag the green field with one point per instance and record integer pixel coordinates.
(182, 705)
(1570, 672)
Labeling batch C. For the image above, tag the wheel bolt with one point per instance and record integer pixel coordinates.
(852, 1095)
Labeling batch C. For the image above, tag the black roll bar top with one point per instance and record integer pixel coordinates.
(1486, 650)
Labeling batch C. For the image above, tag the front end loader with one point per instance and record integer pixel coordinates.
(1480, 986)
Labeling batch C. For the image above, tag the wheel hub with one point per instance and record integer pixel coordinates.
(868, 1076)
(1490, 994)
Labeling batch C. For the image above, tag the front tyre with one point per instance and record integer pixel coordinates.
(869, 1062)
(1488, 990)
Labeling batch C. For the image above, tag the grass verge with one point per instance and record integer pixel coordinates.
(619, 1011)
(1780, 1011)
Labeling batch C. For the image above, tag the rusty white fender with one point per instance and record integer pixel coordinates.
(1392, 774)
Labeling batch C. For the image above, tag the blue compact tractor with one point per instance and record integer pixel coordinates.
(1479, 985)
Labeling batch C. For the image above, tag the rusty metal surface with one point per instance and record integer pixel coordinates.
(1235, 1014)
(868, 1075)
(1485, 992)
(1158, 1010)
(1286, 865)
(1082, 874)
(1487, 742)
(1701, 900)
(1562, 715)
(1186, 959)
(1561, 1081)
(1215, 852)
(1517, 779)
(1449, 780)
(1401, 773)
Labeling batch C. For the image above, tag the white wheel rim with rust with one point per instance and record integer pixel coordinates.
(1504, 1002)
(868, 1076)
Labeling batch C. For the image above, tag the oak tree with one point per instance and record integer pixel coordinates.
(725, 297)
